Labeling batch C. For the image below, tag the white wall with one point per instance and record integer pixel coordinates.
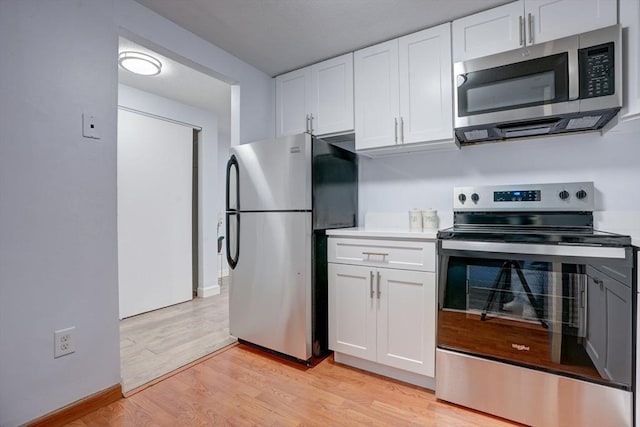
(257, 90)
(58, 252)
(58, 259)
(209, 188)
(612, 162)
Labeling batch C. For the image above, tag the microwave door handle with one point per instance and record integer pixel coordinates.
(574, 75)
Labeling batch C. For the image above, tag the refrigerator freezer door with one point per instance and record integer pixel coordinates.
(275, 174)
(270, 290)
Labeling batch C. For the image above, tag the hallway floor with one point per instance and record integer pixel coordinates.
(156, 343)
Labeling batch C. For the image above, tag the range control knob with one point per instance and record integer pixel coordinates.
(581, 194)
(475, 197)
(564, 194)
(462, 198)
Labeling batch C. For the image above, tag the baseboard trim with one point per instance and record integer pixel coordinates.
(79, 408)
(208, 291)
(385, 371)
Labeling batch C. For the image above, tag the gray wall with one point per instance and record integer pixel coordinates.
(58, 259)
(612, 162)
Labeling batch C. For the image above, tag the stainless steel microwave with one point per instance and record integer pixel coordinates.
(565, 85)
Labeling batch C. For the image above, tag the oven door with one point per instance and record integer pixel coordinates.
(562, 309)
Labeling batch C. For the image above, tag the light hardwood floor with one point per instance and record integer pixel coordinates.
(241, 386)
(156, 343)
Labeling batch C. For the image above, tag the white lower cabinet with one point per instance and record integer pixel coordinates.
(383, 315)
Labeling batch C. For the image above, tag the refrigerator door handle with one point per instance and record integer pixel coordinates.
(233, 163)
(233, 260)
(233, 212)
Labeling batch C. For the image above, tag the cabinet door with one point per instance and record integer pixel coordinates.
(619, 326)
(407, 320)
(485, 33)
(292, 92)
(352, 310)
(554, 19)
(332, 95)
(630, 21)
(426, 109)
(609, 329)
(376, 95)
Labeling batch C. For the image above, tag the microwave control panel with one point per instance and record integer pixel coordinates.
(597, 71)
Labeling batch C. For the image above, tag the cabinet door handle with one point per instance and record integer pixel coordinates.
(395, 131)
(378, 283)
(311, 123)
(598, 282)
(530, 29)
(401, 130)
(371, 284)
(521, 29)
(306, 124)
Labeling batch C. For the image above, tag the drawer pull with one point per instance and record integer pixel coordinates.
(378, 284)
(382, 254)
(371, 284)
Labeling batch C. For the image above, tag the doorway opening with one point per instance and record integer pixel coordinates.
(195, 108)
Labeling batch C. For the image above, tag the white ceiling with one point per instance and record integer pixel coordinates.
(182, 84)
(277, 36)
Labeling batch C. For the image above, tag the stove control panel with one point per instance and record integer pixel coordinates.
(568, 196)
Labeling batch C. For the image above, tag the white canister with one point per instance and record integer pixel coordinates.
(430, 220)
(415, 220)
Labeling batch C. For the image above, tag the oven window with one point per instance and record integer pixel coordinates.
(513, 290)
(524, 84)
(556, 316)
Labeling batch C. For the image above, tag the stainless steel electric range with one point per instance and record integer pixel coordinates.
(536, 308)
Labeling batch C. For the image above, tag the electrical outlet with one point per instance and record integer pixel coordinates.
(63, 342)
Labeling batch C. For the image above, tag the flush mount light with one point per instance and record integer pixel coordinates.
(139, 63)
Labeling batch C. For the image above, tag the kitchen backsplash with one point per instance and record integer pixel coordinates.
(426, 180)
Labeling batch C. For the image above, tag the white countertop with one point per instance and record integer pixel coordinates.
(395, 226)
(382, 233)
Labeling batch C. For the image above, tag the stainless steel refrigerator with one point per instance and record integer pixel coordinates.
(281, 196)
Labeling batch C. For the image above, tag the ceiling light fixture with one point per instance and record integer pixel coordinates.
(139, 63)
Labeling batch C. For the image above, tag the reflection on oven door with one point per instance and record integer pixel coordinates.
(556, 316)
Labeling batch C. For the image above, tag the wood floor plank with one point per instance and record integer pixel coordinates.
(244, 387)
(155, 343)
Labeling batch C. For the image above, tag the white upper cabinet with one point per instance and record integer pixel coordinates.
(332, 96)
(317, 99)
(485, 33)
(377, 95)
(426, 86)
(527, 22)
(293, 94)
(553, 19)
(403, 93)
(630, 21)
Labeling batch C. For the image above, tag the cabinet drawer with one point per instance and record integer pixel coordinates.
(404, 254)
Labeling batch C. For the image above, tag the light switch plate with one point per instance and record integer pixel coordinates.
(90, 126)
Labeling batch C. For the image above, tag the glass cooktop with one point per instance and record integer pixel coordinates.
(546, 235)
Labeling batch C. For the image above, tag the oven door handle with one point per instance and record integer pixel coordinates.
(535, 249)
